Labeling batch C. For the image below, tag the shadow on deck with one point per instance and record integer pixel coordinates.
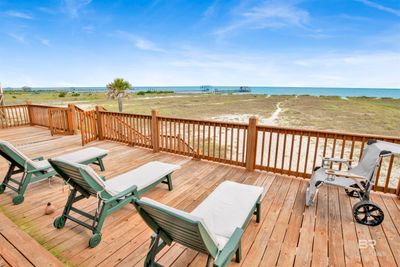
(289, 234)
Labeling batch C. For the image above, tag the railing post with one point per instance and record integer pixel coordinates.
(71, 114)
(251, 148)
(99, 123)
(30, 112)
(155, 135)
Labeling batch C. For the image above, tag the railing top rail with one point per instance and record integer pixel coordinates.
(212, 122)
(124, 114)
(325, 132)
(40, 106)
(78, 108)
(14, 106)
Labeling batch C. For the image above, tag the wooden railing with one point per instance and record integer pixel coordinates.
(12, 116)
(279, 150)
(132, 129)
(59, 122)
(216, 141)
(39, 115)
(88, 125)
(297, 152)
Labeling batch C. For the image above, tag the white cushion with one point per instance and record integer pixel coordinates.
(227, 208)
(83, 155)
(79, 156)
(142, 177)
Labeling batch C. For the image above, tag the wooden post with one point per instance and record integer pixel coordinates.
(99, 123)
(251, 148)
(155, 133)
(30, 112)
(71, 113)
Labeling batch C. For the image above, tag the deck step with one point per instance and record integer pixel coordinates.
(19, 249)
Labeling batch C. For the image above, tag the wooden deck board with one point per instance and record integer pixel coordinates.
(288, 234)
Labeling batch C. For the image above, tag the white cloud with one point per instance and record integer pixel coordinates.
(18, 14)
(140, 42)
(269, 14)
(88, 28)
(210, 11)
(381, 7)
(44, 42)
(18, 37)
(73, 7)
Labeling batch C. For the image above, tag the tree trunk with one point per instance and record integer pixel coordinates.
(120, 103)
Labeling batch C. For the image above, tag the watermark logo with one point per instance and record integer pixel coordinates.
(366, 243)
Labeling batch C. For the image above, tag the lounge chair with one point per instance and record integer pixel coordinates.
(357, 181)
(37, 169)
(215, 227)
(112, 194)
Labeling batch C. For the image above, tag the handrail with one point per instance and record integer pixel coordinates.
(284, 150)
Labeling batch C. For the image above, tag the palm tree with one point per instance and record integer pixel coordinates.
(118, 89)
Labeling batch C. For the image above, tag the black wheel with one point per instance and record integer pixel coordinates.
(95, 240)
(368, 213)
(18, 199)
(2, 188)
(59, 222)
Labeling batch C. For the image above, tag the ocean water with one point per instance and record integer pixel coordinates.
(314, 91)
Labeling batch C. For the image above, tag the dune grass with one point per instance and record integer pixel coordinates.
(354, 114)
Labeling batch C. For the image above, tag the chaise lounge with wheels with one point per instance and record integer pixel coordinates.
(24, 170)
(111, 194)
(215, 227)
(357, 181)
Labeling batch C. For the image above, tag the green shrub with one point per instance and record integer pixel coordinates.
(141, 93)
(62, 94)
(75, 94)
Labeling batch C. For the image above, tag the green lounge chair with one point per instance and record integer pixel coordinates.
(37, 169)
(112, 194)
(215, 227)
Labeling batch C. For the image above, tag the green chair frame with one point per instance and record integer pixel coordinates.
(30, 174)
(171, 227)
(81, 181)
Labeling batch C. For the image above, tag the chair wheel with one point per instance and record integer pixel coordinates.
(95, 240)
(59, 222)
(352, 193)
(18, 199)
(355, 193)
(2, 188)
(368, 213)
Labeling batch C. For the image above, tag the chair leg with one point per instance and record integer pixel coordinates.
(169, 179)
(25, 181)
(258, 212)
(70, 201)
(101, 164)
(7, 178)
(151, 255)
(239, 253)
(101, 218)
(208, 260)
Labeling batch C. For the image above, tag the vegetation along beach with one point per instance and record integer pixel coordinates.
(368, 115)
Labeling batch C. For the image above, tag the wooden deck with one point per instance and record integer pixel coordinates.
(289, 234)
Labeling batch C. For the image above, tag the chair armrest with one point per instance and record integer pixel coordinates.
(38, 159)
(129, 191)
(337, 160)
(344, 174)
(230, 248)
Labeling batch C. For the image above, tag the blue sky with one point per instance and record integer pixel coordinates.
(334, 43)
